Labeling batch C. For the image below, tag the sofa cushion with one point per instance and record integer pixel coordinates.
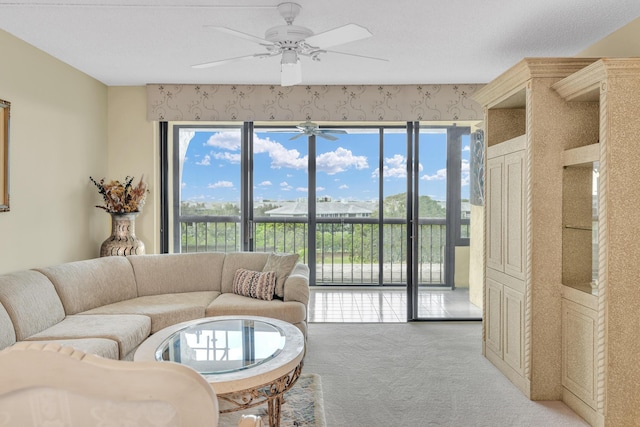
(7, 333)
(164, 310)
(83, 285)
(254, 284)
(234, 260)
(297, 285)
(102, 347)
(282, 264)
(175, 273)
(31, 302)
(232, 304)
(128, 330)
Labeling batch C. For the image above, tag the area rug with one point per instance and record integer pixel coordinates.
(303, 406)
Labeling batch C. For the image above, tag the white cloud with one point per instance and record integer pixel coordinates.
(320, 188)
(343, 187)
(265, 184)
(221, 184)
(394, 167)
(183, 185)
(225, 140)
(279, 155)
(302, 189)
(340, 160)
(465, 174)
(206, 161)
(230, 157)
(284, 185)
(440, 175)
(466, 148)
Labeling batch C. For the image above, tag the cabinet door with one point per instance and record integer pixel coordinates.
(514, 200)
(493, 316)
(514, 329)
(579, 351)
(495, 213)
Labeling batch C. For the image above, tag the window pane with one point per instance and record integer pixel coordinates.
(433, 173)
(465, 186)
(280, 192)
(347, 193)
(395, 173)
(209, 176)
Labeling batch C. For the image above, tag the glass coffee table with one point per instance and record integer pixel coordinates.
(248, 360)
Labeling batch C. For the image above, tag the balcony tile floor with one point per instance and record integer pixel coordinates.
(373, 305)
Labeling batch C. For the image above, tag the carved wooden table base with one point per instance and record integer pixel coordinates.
(271, 393)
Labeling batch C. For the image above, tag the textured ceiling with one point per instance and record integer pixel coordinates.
(123, 42)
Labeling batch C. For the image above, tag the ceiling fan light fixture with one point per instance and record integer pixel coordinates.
(290, 69)
(289, 57)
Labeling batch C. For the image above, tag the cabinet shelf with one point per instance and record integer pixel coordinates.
(578, 227)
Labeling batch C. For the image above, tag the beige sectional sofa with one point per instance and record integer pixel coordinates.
(109, 306)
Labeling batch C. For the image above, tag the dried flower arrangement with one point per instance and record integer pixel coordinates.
(122, 197)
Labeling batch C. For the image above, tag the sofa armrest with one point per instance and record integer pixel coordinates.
(296, 287)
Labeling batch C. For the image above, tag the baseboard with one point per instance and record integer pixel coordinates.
(523, 384)
(590, 415)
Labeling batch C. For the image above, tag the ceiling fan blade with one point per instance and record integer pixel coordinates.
(355, 54)
(332, 131)
(291, 74)
(240, 34)
(341, 35)
(228, 60)
(300, 135)
(326, 136)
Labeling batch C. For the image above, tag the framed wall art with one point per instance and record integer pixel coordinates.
(5, 113)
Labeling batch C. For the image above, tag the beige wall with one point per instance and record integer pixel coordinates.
(133, 151)
(461, 271)
(58, 139)
(476, 255)
(622, 43)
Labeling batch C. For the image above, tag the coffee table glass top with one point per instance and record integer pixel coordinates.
(221, 346)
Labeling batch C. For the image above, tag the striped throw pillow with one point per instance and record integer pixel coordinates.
(254, 284)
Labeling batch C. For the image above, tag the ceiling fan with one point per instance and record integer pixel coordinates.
(293, 41)
(309, 128)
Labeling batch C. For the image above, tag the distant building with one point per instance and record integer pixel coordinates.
(324, 209)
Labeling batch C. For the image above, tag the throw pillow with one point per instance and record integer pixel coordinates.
(254, 284)
(282, 264)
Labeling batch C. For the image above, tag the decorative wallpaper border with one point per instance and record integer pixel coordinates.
(170, 102)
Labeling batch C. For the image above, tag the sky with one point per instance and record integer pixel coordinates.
(347, 169)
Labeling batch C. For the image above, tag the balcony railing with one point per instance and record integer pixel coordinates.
(348, 252)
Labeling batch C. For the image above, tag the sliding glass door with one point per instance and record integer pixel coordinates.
(440, 220)
(363, 206)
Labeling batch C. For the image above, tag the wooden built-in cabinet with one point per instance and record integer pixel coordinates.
(523, 238)
(505, 255)
(601, 319)
(562, 223)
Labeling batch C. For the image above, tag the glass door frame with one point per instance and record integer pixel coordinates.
(453, 209)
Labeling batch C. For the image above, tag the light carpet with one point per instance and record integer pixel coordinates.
(419, 374)
(302, 407)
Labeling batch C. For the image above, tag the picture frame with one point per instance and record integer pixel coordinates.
(5, 114)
